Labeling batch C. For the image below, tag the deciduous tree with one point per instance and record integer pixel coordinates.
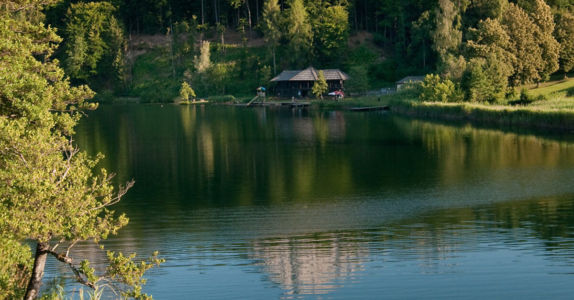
(565, 35)
(542, 16)
(94, 41)
(320, 87)
(272, 28)
(50, 192)
(523, 45)
(447, 38)
(330, 33)
(186, 92)
(490, 62)
(299, 33)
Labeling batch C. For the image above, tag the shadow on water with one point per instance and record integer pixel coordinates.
(268, 203)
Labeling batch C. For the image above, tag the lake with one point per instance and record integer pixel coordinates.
(275, 203)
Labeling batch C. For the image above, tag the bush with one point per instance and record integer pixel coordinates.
(483, 81)
(435, 89)
(526, 98)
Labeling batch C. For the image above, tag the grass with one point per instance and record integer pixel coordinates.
(556, 111)
(560, 96)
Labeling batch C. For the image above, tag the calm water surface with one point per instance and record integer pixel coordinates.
(280, 203)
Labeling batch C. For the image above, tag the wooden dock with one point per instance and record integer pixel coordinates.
(370, 108)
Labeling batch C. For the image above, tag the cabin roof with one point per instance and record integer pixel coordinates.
(310, 74)
(411, 79)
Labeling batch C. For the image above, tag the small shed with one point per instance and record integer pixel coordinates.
(409, 80)
(299, 83)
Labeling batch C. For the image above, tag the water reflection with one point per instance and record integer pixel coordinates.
(267, 203)
(313, 265)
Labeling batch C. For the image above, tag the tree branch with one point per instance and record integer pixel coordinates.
(122, 191)
(70, 154)
(68, 260)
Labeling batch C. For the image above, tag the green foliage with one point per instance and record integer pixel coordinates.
(543, 17)
(124, 270)
(186, 92)
(299, 33)
(94, 41)
(435, 89)
(320, 87)
(184, 35)
(565, 35)
(359, 82)
(484, 10)
(491, 41)
(526, 97)
(531, 43)
(421, 39)
(152, 78)
(272, 27)
(51, 193)
(447, 37)
(264, 75)
(484, 80)
(330, 33)
(217, 77)
(15, 267)
(413, 37)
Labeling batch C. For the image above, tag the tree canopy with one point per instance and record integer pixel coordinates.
(411, 37)
(51, 192)
(94, 41)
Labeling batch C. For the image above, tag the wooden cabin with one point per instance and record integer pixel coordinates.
(299, 83)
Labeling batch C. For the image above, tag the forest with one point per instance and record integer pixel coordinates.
(482, 50)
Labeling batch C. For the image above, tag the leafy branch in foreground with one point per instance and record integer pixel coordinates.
(50, 193)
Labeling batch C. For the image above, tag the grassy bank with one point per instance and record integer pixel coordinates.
(562, 119)
(555, 110)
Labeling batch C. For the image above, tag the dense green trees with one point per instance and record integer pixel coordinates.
(490, 62)
(411, 37)
(299, 33)
(330, 33)
(94, 42)
(564, 33)
(50, 192)
(271, 26)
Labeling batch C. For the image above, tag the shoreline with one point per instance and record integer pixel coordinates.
(524, 117)
(557, 120)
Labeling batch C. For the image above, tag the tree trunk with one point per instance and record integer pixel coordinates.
(274, 64)
(202, 13)
(38, 272)
(249, 16)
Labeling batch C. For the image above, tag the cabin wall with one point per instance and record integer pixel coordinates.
(303, 89)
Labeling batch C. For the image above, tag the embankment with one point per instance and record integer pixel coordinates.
(562, 120)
